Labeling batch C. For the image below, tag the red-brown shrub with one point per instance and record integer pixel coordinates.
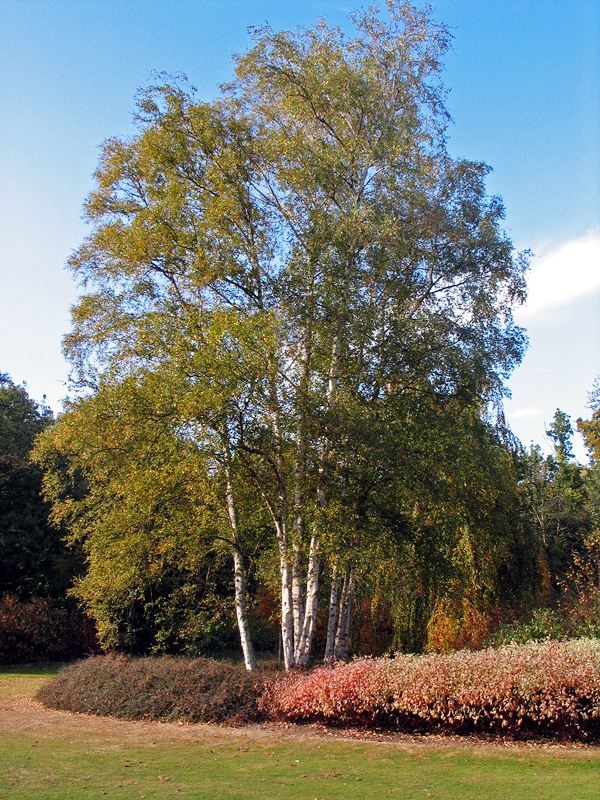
(538, 689)
(38, 630)
(164, 689)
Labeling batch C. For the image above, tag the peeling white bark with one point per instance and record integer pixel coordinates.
(297, 597)
(304, 646)
(241, 611)
(287, 623)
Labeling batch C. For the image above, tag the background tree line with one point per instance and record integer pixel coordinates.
(288, 362)
(38, 621)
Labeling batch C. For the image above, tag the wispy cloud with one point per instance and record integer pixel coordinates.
(563, 274)
(526, 413)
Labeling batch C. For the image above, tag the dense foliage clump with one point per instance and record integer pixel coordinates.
(41, 629)
(539, 689)
(34, 560)
(164, 689)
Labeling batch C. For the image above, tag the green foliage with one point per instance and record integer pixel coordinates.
(560, 432)
(450, 542)
(544, 623)
(555, 493)
(550, 689)
(590, 429)
(33, 558)
(559, 511)
(137, 493)
(21, 419)
(296, 319)
(163, 689)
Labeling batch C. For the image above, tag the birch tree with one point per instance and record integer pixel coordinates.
(310, 263)
(398, 282)
(174, 299)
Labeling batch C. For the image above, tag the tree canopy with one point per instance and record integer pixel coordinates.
(295, 326)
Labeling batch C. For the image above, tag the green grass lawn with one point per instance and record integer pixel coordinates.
(24, 681)
(84, 758)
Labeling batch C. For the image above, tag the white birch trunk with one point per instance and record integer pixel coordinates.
(297, 597)
(287, 622)
(299, 519)
(241, 611)
(280, 521)
(304, 646)
(341, 650)
(241, 608)
(304, 643)
(332, 619)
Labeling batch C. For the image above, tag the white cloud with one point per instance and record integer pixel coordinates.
(563, 274)
(526, 413)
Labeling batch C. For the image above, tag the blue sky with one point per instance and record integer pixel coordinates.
(524, 81)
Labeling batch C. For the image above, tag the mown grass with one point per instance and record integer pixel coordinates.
(25, 680)
(94, 762)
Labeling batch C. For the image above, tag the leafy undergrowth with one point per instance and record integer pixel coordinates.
(548, 689)
(165, 689)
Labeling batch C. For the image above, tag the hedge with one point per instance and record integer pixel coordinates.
(547, 689)
(165, 689)
(542, 689)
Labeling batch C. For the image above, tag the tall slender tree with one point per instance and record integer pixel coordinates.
(398, 280)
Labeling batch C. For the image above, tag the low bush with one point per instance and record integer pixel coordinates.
(548, 689)
(39, 630)
(165, 688)
(541, 689)
(579, 619)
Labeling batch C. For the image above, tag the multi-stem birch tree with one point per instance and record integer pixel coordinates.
(307, 259)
